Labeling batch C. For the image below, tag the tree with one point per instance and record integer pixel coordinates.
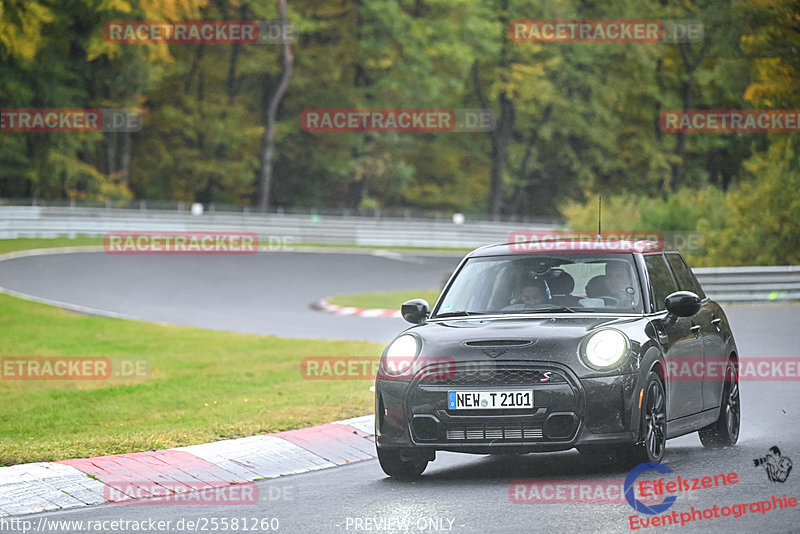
(268, 143)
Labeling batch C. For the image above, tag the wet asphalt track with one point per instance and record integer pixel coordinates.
(462, 493)
(265, 293)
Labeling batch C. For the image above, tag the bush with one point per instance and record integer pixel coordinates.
(762, 215)
(687, 211)
(754, 224)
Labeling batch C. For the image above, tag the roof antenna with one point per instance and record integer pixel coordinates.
(599, 217)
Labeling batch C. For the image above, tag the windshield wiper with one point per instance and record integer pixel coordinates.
(456, 314)
(557, 309)
(553, 309)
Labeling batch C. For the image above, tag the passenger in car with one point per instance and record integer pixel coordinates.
(620, 287)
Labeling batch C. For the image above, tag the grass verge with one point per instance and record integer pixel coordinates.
(390, 300)
(13, 245)
(203, 386)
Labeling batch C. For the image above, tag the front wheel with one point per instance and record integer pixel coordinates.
(401, 466)
(724, 432)
(653, 423)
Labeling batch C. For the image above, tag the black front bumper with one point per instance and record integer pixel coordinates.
(567, 412)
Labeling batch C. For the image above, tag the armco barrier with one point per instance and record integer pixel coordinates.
(726, 284)
(40, 221)
(750, 284)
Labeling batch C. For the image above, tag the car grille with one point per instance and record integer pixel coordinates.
(499, 343)
(472, 431)
(489, 376)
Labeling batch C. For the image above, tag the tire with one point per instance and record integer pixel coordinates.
(724, 432)
(653, 426)
(396, 466)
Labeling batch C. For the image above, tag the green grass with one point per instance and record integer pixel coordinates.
(388, 300)
(393, 248)
(13, 245)
(204, 386)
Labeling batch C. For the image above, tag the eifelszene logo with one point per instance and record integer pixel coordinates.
(638, 505)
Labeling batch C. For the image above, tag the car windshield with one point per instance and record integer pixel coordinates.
(540, 284)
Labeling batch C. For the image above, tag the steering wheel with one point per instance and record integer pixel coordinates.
(614, 304)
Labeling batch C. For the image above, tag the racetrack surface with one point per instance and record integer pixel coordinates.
(471, 491)
(265, 293)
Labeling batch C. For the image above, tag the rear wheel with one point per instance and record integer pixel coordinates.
(400, 464)
(653, 424)
(724, 432)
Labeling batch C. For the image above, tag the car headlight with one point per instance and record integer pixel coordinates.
(606, 347)
(401, 354)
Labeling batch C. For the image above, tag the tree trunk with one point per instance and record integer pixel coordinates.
(504, 128)
(500, 139)
(111, 153)
(125, 158)
(686, 98)
(268, 141)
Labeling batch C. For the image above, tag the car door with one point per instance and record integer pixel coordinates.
(681, 341)
(710, 331)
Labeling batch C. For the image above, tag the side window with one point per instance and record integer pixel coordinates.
(682, 274)
(700, 292)
(660, 279)
(678, 264)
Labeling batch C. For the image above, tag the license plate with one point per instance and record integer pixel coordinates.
(489, 400)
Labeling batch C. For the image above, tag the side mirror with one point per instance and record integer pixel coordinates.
(682, 304)
(415, 311)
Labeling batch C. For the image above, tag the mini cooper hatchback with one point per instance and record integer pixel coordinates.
(557, 346)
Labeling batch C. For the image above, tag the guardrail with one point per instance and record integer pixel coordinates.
(51, 221)
(725, 284)
(750, 284)
(213, 207)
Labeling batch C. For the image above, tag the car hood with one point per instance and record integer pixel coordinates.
(546, 339)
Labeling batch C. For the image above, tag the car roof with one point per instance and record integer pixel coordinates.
(570, 246)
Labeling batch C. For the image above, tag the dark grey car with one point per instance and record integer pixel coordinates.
(536, 349)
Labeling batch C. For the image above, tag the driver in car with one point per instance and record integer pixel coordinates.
(533, 294)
